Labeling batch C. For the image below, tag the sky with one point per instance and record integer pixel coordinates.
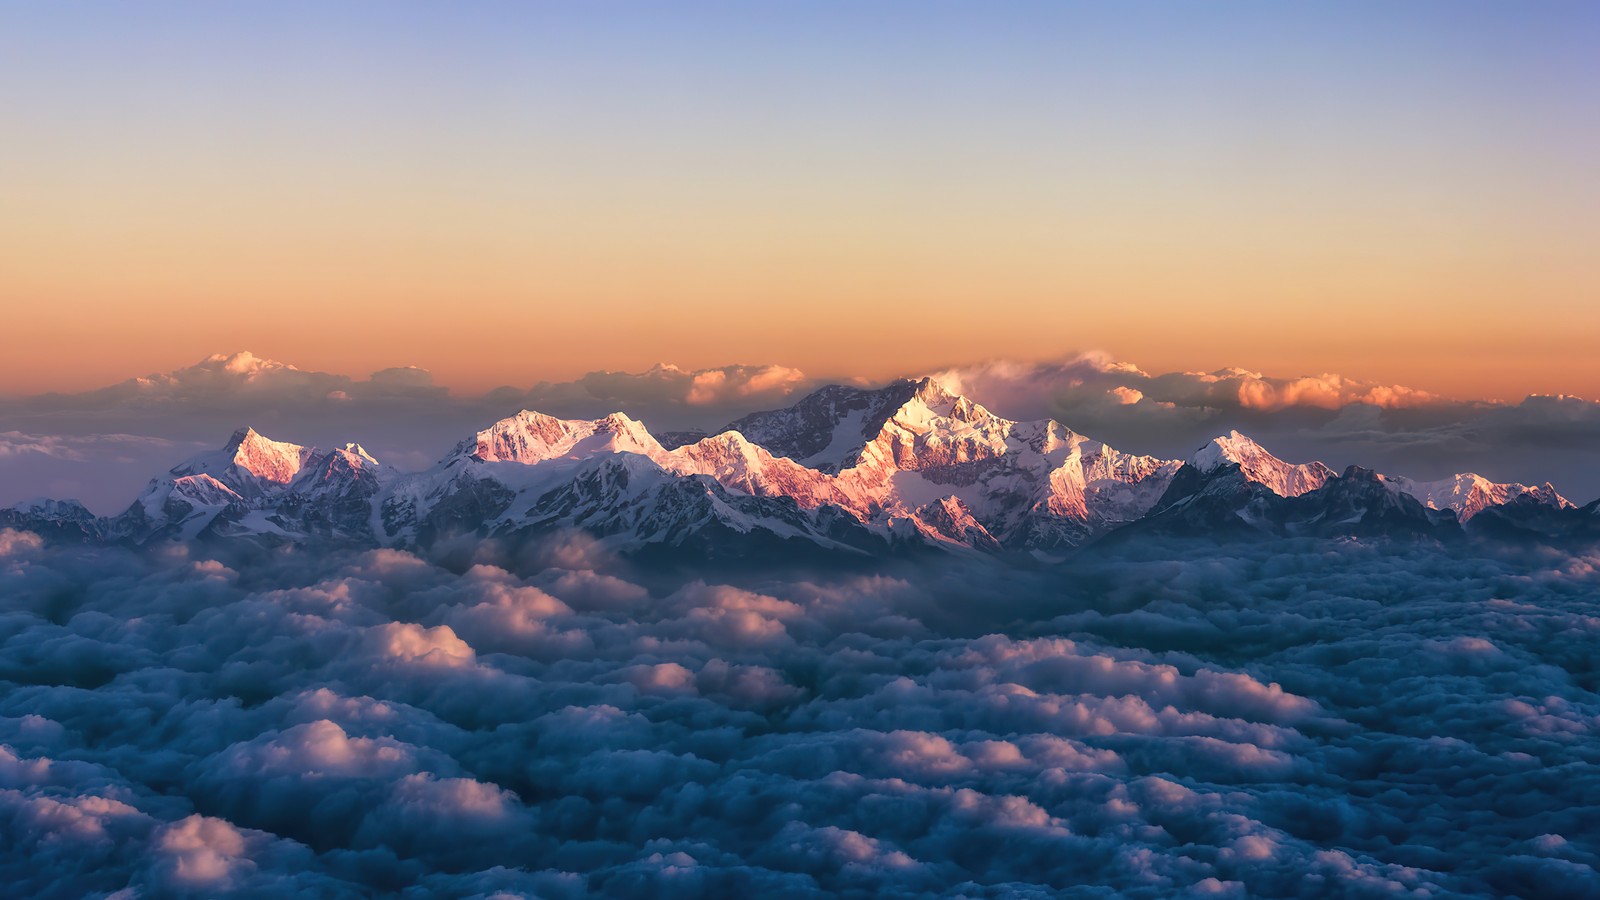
(505, 193)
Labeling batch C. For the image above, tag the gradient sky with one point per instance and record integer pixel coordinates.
(508, 192)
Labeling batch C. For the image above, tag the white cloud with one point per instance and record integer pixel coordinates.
(1262, 720)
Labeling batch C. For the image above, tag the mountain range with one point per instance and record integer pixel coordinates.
(846, 470)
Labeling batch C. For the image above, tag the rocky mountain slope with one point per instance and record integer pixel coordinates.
(844, 471)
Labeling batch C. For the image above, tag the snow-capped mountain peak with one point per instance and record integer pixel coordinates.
(1283, 479)
(59, 518)
(1469, 494)
(46, 508)
(887, 454)
(349, 461)
(257, 486)
(931, 395)
(836, 427)
(827, 429)
(250, 464)
(275, 461)
(358, 452)
(531, 437)
(842, 468)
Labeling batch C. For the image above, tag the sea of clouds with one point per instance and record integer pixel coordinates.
(1278, 719)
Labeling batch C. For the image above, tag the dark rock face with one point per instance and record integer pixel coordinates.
(1225, 504)
(1529, 520)
(465, 510)
(60, 520)
(1222, 504)
(1358, 504)
(811, 426)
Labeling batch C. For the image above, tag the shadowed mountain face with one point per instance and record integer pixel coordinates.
(828, 429)
(844, 472)
(1359, 503)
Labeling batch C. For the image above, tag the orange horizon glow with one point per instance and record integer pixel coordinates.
(1488, 387)
(556, 192)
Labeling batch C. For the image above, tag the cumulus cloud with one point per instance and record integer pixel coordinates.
(739, 382)
(207, 856)
(245, 381)
(1252, 390)
(1273, 720)
(242, 378)
(16, 543)
(1036, 389)
(666, 396)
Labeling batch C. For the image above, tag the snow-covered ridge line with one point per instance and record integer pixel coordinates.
(905, 458)
(1465, 494)
(1469, 494)
(1285, 479)
(848, 467)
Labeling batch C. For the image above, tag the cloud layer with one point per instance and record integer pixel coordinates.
(1292, 720)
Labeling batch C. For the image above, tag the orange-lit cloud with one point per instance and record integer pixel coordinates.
(1252, 390)
(1036, 388)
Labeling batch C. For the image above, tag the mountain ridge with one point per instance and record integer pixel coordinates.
(844, 469)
